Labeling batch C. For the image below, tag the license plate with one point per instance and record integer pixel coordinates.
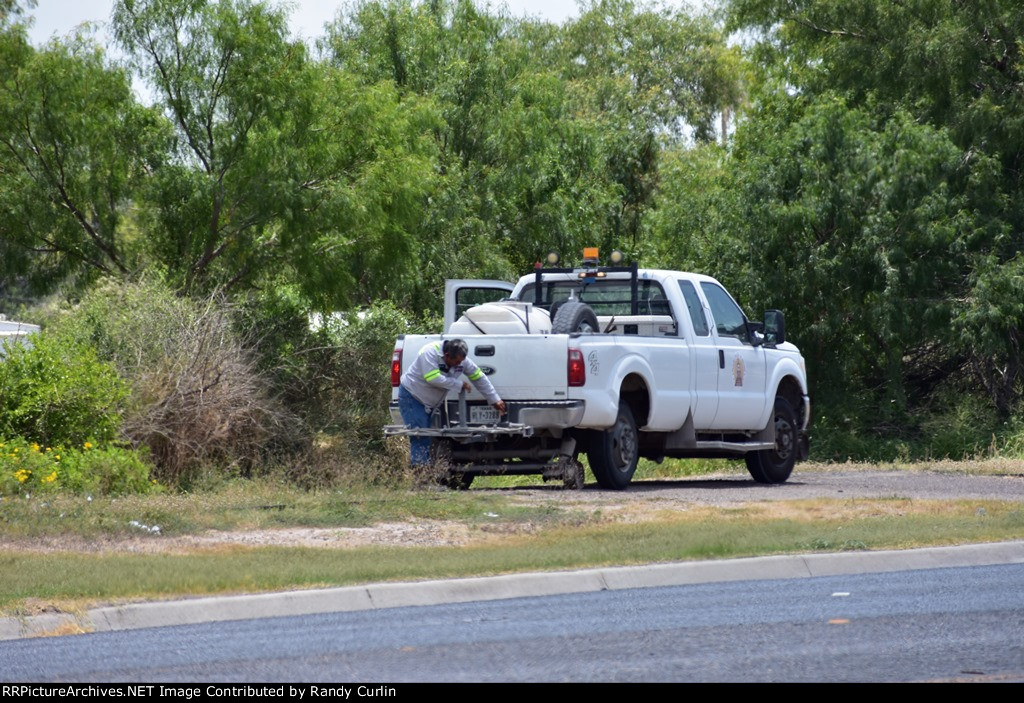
(482, 414)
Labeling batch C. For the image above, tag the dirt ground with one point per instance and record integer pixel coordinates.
(644, 500)
(648, 500)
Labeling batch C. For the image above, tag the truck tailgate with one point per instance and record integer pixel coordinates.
(520, 366)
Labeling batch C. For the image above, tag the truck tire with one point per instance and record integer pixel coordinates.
(776, 464)
(572, 317)
(613, 454)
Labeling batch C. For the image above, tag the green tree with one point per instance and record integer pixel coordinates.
(513, 168)
(696, 223)
(859, 223)
(278, 162)
(231, 83)
(12, 10)
(957, 68)
(372, 169)
(651, 78)
(74, 149)
(548, 137)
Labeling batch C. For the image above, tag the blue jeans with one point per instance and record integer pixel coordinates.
(414, 414)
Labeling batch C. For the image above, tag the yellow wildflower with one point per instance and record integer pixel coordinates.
(87, 445)
(35, 447)
(22, 475)
(51, 478)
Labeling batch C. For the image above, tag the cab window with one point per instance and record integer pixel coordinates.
(696, 310)
(466, 298)
(729, 319)
(606, 297)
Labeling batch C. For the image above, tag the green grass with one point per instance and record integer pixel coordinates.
(703, 533)
(257, 504)
(687, 468)
(646, 469)
(508, 532)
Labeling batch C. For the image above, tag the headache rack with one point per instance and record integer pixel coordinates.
(585, 273)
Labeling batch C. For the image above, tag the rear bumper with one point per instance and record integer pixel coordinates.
(552, 414)
(538, 414)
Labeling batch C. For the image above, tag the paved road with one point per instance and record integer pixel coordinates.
(184, 640)
(919, 485)
(942, 624)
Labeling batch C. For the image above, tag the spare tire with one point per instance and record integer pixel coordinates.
(575, 317)
(554, 308)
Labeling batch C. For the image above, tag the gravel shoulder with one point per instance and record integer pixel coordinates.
(644, 500)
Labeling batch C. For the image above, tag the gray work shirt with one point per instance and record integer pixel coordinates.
(429, 379)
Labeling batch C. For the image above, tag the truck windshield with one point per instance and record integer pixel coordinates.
(605, 296)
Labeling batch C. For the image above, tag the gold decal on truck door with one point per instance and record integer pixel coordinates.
(738, 370)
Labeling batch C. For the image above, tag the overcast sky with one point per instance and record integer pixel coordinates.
(307, 18)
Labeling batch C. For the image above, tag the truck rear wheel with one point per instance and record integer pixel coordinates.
(573, 316)
(613, 454)
(776, 464)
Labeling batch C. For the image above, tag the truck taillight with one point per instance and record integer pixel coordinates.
(396, 368)
(577, 371)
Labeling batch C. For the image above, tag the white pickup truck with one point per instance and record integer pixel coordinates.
(618, 363)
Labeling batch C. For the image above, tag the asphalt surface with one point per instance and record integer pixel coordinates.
(714, 491)
(395, 595)
(949, 624)
(806, 485)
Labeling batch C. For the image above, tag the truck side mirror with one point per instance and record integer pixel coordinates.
(774, 328)
(755, 331)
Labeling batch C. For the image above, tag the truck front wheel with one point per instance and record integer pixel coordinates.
(613, 454)
(776, 464)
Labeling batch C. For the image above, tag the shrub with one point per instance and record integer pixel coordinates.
(333, 370)
(131, 325)
(28, 467)
(59, 392)
(106, 470)
(203, 401)
(360, 389)
(295, 357)
(236, 388)
(197, 399)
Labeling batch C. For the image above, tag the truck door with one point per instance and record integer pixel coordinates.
(460, 295)
(704, 373)
(741, 365)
